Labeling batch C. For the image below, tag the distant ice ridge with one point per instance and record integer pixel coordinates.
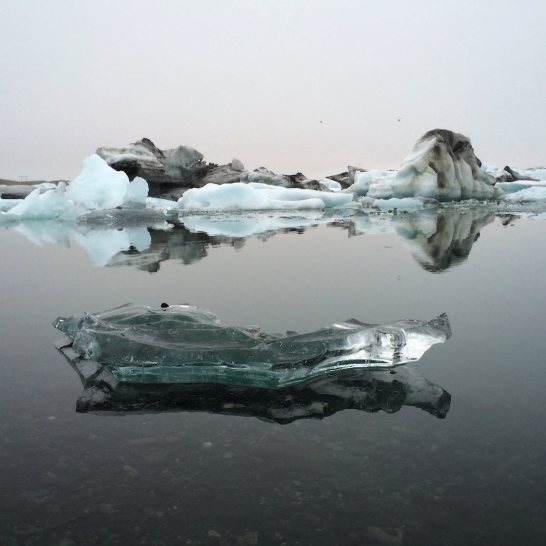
(256, 196)
(185, 344)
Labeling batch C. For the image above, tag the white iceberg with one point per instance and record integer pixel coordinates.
(255, 196)
(441, 166)
(97, 187)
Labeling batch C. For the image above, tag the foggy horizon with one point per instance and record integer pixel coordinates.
(289, 85)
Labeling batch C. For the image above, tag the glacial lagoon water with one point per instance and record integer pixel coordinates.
(225, 467)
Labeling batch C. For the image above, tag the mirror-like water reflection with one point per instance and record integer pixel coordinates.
(438, 238)
(207, 472)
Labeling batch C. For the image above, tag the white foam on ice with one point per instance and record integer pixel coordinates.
(255, 196)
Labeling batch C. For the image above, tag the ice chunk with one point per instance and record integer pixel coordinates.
(98, 186)
(8, 204)
(363, 390)
(49, 205)
(185, 344)
(531, 194)
(255, 196)
(364, 180)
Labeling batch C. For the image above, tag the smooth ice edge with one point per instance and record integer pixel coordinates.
(253, 196)
(185, 344)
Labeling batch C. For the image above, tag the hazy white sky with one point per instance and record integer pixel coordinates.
(253, 79)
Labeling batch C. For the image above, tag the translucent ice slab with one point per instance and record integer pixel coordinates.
(364, 390)
(185, 344)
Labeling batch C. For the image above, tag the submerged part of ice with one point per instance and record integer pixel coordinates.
(256, 196)
(185, 344)
(364, 390)
(97, 187)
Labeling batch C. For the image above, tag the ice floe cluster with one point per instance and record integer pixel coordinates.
(441, 168)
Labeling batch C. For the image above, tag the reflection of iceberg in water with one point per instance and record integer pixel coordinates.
(185, 344)
(442, 238)
(438, 238)
(101, 244)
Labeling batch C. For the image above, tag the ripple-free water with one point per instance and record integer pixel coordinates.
(355, 477)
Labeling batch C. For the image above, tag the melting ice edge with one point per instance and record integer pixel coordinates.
(140, 358)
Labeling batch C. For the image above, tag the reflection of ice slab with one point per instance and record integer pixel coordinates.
(185, 344)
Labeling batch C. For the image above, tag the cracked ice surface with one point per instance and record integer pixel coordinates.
(185, 344)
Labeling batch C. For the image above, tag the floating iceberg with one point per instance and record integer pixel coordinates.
(185, 344)
(363, 390)
(256, 196)
(441, 166)
(97, 187)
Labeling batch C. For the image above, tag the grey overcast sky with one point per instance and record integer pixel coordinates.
(288, 84)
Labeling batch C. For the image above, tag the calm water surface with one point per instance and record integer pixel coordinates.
(355, 477)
